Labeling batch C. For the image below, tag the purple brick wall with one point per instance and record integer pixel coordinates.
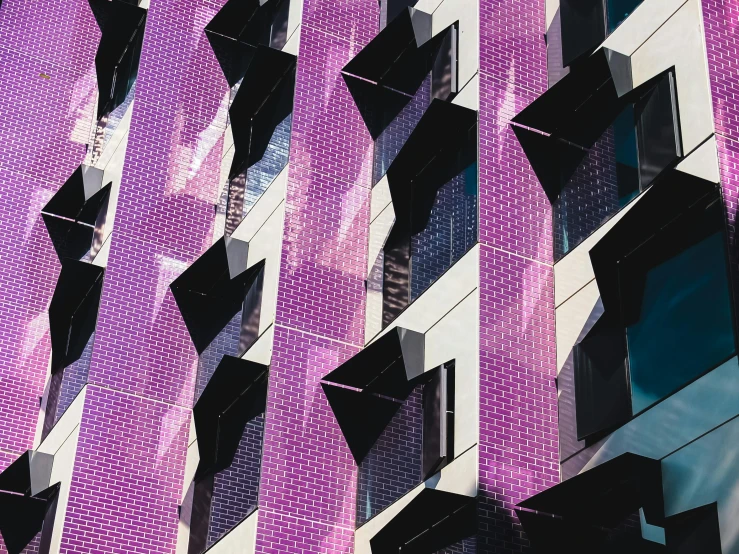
(307, 488)
(720, 20)
(393, 466)
(46, 57)
(135, 423)
(518, 413)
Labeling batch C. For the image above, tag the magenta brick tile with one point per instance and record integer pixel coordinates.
(518, 412)
(324, 256)
(127, 477)
(720, 23)
(134, 427)
(308, 481)
(349, 20)
(301, 433)
(58, 32)
(44, 120)
(328, 134)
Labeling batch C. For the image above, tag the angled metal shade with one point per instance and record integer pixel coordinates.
(606, 494)
(240, 26)
(397, 44)
(235, 394)
(361, 416)
(387, 366)
(673, 194)
(433, 520)
(262, 102)
(73, 311)
(212, 290)
(29, 474)
(555, 108)
(388, 71)
(27, 502)
(117, 58)
(77, 212)
(443, 143)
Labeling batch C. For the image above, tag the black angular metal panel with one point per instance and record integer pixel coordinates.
(694, 531)
(235, 394)
(396, 62)
(17, 476)
(659, 138)
(443, 143)
(212, 290)
(396, 43)
(583, 28)
(606, 494)
(117, 59)
(549, 535)
(553, 160)
(75, 216)
(361, 416)
(22, 517)
(73, 311)
(377, 105)
(602, 389)
(387, 366)
(263, 101)
(672, 194)
(438, 420)
(240, 26)
(430, 522)
(553, 109)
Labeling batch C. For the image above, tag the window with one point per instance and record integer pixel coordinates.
(587, 23)
(593, 151)
(663, 277)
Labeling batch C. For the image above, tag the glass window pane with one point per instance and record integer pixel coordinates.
(684, 326)
(618, 11)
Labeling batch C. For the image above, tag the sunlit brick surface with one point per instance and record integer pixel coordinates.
(518, 415)
(135, 423)
(46, 59)
(306, 496)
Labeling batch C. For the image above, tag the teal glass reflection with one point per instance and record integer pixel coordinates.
(685, 326)
(618, 11)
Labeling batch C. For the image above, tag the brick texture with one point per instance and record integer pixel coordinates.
(45, 117)
(307, 488)
(720, 19)
(133, 435)
(518, 414)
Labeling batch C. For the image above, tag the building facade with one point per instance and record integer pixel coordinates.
(299, 276)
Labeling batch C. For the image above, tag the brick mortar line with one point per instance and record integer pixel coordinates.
(154, 400)
(55, 65)
(289, 328)
(288, 515)
(508, 252)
